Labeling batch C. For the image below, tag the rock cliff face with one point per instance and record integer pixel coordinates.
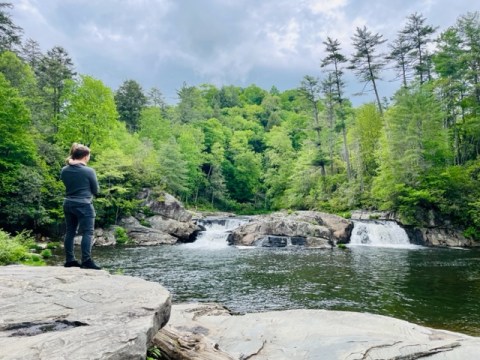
(309, 228)
(438, 233)
(444, 237)
(70, 313)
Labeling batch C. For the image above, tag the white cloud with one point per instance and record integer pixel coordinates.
(326, 7)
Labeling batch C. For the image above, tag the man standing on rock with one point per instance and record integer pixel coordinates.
(81, 184)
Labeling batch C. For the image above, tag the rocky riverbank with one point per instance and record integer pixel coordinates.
(57, 313)
(211, 332)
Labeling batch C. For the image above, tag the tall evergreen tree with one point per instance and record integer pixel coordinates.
(10, 34)
(399, 51)
(417, 36)
(130, 100)
(31, 54)
(366, 62)
(55, 68)
(310, 90)
(336, 59)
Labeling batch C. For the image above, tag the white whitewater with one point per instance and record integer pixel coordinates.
(216, 232)
(379, 233)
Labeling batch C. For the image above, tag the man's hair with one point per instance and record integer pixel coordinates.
(78, 151)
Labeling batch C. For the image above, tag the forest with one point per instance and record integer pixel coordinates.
(247, 149)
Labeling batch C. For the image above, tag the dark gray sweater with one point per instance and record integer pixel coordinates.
(80, 183)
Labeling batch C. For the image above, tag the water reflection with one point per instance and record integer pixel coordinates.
(433, 287)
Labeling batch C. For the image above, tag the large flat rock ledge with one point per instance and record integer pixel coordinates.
(210, 332)
(69, 313)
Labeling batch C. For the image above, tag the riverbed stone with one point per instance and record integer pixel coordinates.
(70, 313)
(164, 204)
(319, 230)
(144, 235)
(208, 331)
(184, 231)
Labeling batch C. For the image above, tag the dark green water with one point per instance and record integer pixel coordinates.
(439, 288)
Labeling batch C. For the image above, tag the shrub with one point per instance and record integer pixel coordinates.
(121, 236)
(47, 253)
(15, 249)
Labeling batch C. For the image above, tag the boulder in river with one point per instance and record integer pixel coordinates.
(309, 228)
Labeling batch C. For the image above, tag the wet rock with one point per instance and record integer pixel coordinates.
(443, 237)
(310, 228)
(145, 236)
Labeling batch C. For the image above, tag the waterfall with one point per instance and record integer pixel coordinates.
(216, 232)
(379, 233)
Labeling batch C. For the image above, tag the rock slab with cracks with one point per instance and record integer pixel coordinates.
(209, 331)
(70, 313)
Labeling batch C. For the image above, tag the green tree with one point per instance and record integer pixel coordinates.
(280, 159)
(191, 143)
(243, 174)
(311, 89)
(366, 63)
(20, 178)
(32, 54)
(192, 106)
(10, 34)
(54, 71)
(253, 95)
(333, 88)
(414, 144)
(366, 132)
(154, 126)
(130, 101)
(417, 37)
(90, 114)
(399, 50)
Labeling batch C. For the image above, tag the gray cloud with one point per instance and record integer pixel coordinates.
(163, 43)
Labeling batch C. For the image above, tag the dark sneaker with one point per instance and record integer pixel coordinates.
(73, 263)
(89, 264)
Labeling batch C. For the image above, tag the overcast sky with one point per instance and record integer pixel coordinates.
(163, 43)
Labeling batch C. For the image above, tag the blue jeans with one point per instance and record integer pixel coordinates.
(82, 216)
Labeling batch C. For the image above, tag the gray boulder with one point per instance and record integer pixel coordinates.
(70, 313)
(101, 237)
(206, 331)
(309, 228)
(165, 205)
(184, 231)
(145, 236)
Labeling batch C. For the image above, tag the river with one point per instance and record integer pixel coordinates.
(434, 287)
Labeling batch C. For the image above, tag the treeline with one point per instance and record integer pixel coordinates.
(248, 149)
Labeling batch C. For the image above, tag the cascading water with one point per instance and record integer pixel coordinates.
(216, 232)
(379, 233)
